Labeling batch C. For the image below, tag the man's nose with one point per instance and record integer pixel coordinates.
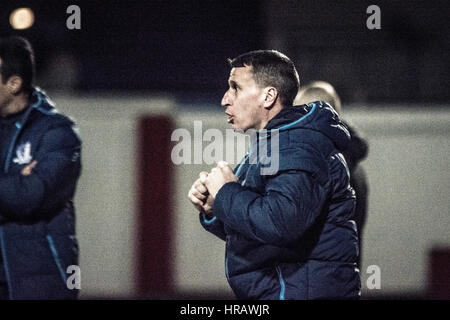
(226, 101)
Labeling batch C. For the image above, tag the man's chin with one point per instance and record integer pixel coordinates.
(233, 126)
(236, 127)
(237, 130)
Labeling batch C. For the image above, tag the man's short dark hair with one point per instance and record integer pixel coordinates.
(17, 58)
(271, 68)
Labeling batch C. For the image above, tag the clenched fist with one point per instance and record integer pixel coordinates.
(205, 188)
(199, 195)
(219, 176)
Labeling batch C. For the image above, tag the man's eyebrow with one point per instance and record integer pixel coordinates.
(233, 83)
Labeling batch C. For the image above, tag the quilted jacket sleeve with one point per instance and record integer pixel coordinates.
(291, 203)
(51, 183)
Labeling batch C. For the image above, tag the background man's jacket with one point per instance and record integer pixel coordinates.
(291, 234)
(37, 219)
(355, 153)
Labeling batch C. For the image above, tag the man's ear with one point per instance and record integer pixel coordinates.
(271, 97)
(14, 84)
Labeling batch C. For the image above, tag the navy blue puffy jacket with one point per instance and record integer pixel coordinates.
(37, 219)
(291, 234)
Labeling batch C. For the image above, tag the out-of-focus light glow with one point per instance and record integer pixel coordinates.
(21, 18)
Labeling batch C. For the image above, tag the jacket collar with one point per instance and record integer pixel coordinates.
(287, 115)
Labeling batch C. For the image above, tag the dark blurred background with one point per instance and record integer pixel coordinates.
(180, 47)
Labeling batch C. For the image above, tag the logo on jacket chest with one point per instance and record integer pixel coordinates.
(23, 154)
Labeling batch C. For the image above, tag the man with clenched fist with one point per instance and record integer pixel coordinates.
(290, 232)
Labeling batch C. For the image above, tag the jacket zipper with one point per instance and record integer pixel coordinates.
(282, 283)
(56, 258)
(226, 258)
(19, 125)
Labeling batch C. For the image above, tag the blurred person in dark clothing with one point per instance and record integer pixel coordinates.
(40, 166)
(355, 153)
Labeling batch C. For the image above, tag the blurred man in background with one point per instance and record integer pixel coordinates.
(288, 233)
(40, 166)
(355, 153)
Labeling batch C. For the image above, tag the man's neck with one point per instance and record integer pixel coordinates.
(271, 114)
(15, 106)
